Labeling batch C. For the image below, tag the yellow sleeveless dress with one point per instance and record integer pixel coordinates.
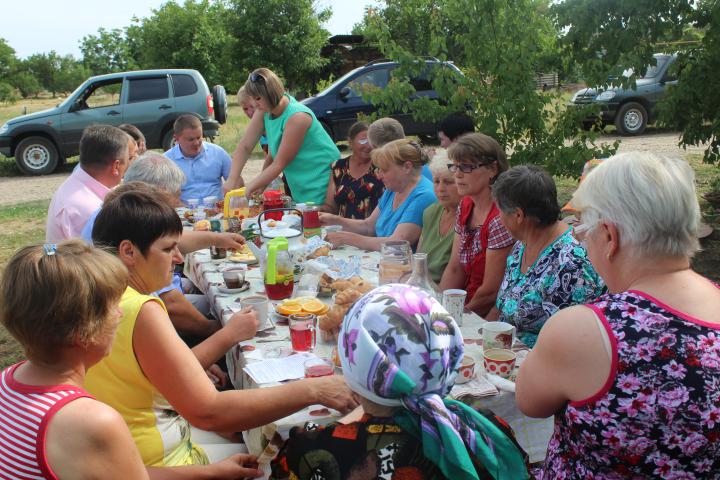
(161, 434)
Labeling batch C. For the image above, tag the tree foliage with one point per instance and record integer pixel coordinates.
(501, 47)
(106, 52)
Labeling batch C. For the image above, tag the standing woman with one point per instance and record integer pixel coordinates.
(482, 243)
(355, 187)
(299, 145)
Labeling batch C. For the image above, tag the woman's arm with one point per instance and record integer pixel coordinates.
(568, 363)
(454, 274)
(241, 326)
(404, 231)
(191, 240)
(486, 294)
(292, 139)
(364, 227)
(330, 206)
(173, 369)
(243, 150)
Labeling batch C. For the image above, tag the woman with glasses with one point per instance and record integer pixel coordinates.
(633, 378)
(481, 243)
(299, 146)
(399, 214)
(547, 269)
(355, 186)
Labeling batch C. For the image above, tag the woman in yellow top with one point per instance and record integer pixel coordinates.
(151, 377)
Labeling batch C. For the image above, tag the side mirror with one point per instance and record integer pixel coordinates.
(344, 92)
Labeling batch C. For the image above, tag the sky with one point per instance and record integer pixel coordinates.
(38, 26)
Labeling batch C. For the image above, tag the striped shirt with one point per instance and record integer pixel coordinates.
(25, 411)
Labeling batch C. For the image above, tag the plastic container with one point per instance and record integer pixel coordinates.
(236, 204)
(311, 221)
(273, 199)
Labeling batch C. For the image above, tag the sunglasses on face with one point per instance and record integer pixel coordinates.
(255, 77)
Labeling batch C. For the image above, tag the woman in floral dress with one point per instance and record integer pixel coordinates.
(547, 268)
(633, 378)
(355, 185)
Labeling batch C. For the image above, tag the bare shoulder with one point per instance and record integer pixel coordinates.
(300, 119)
(88, 419)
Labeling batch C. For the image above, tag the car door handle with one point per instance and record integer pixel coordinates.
(113, 112)
(164, 107)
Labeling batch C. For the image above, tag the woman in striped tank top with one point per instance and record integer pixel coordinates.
(633, 378)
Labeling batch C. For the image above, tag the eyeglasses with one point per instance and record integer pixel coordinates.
(582, 230)
(363, 141)
(255, 77)
(465, 167)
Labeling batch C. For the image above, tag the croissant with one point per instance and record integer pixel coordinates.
(341, 285)
(347, 297)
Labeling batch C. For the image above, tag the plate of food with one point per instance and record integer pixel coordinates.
(301, 305)
(243, 256)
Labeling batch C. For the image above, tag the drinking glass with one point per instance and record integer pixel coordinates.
(303, 327)
(396, 263)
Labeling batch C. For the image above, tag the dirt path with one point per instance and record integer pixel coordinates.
(25, 189)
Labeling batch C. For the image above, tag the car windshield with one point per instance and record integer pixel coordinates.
(652, 70)
(72, 95)
(341, 79)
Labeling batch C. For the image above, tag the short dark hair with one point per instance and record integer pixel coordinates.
(133, 131)
(100, 145)
(186, 121)
(356, 129)
(531, 189)
(480, 149)
(139, 216)
(456, 124)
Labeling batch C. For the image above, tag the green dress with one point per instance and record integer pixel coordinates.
(308, 173)
(438, 247)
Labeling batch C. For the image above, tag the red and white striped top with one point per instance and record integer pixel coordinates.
(25, 411)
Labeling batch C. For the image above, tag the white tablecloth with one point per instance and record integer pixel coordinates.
(532, 434)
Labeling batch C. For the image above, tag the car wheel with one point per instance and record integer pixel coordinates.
(631, 119)
(168, 140)
(220, 103)
(36, 156)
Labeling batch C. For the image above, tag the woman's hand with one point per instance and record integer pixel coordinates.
(216, 375)
(338, 238)
(241, 465)
(243, 325)
(328, 219)
(229, 240)
(334, 393)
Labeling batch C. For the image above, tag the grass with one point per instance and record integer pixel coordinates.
(20, 225)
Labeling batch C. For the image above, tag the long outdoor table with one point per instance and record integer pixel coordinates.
(532, 434)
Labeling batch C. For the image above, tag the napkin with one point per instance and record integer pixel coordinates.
(478, 387)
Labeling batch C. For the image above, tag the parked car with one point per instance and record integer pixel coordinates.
(337, 107)
(149, 99)
(632, 109)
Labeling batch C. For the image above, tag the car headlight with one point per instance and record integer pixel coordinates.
(4, 128)
(605, 96)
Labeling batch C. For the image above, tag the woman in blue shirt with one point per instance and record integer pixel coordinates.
(399, 213)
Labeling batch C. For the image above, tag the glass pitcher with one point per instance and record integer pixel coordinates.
(278, 277)
(396, 263)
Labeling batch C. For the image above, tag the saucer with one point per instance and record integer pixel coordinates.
(245, 286)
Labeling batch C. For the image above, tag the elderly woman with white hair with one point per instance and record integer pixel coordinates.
(633, 378)
(437, 235)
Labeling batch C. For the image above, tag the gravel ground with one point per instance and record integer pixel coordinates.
(25, 189)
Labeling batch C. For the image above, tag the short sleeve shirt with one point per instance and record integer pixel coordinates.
(356, 197)
(470, 244)
(203, 173)
(410, 211)
(560, 277)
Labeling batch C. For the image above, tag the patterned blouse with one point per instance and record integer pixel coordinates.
(356, 197)
(658, 415)
(470, 244)
(560, 277)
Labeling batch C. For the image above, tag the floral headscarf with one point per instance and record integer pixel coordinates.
(399, 347)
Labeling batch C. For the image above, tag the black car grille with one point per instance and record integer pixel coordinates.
(585, 98)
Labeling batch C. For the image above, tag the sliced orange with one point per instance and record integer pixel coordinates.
(291, 301)
(315, 306)
(284, 309)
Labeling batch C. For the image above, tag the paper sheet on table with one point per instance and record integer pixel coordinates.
(279, 369)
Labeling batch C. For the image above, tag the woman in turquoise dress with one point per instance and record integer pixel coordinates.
(299, 147)
(548, 268)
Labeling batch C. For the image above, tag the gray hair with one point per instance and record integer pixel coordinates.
(385, 130)
(650, 198)
(156, 169)
(439, 162)
(531, 189)
(100, 145)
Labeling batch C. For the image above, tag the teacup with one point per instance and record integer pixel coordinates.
(499, 361)
(234, 276)
(498, 335)
(466, 371)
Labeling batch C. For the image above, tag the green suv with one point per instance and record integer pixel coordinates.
(632, 109)
(149, 99)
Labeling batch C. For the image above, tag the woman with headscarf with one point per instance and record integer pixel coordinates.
(400, 351)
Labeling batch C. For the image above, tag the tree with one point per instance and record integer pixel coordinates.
(26, 83)
(7, 58)
(193, 35)
(56, 73)
(108, 51)
(283, 35)
(500, 46)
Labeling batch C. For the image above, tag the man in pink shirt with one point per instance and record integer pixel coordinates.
(104, 157)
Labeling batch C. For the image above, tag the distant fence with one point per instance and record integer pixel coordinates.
(544, 81)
